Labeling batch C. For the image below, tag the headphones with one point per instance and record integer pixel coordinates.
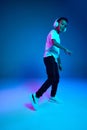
(56, 23)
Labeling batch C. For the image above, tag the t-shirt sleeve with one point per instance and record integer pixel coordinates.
(53, 34)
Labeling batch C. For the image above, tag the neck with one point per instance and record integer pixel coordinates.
(57, 31)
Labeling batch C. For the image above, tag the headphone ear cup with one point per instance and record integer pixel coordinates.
(55, 24)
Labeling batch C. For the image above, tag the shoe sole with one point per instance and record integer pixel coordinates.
(54, 101)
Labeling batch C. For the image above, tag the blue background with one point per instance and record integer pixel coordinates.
(24, 26)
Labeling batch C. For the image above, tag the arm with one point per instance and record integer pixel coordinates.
(59, 63)
(61, 47)
(59, 60)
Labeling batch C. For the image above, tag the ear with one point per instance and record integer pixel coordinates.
(55, 24)
(65, 30)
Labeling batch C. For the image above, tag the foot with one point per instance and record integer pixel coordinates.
(34, 101)
(55, 99)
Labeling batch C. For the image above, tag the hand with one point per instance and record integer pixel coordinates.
(60, 67)
(67, 51)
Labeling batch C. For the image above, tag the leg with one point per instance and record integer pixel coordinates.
(43, 88)
(49, 63)
(55, 80)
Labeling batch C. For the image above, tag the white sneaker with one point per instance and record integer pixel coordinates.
(55, 99)
(34, 101)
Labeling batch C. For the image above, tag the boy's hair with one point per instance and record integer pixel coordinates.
(62, 18)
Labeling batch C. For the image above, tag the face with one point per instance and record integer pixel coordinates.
(62, 25)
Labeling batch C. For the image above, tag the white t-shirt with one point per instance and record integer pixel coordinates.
(50, 49)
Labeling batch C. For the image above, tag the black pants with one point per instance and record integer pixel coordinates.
(53, 77)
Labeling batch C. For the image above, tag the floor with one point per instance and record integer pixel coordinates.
(17, 112)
